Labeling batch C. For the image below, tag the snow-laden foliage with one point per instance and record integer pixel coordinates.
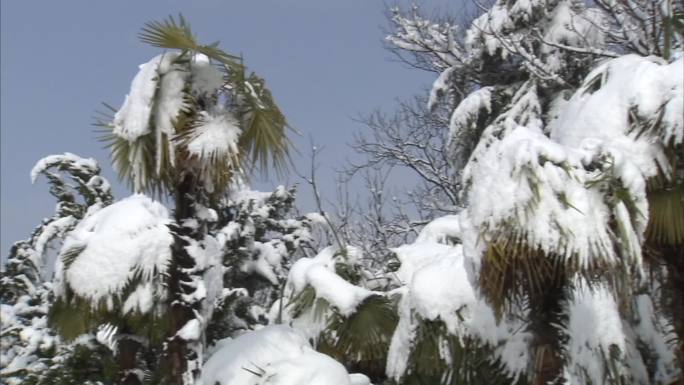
(258, 240)
(572, 137)
(560, 261)
(163, 75)
(436, 289)
(319, 274)
(29, 348)
(129, 237)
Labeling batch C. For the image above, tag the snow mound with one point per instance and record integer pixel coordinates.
(444, 230)
(274, 355)
(112, 247)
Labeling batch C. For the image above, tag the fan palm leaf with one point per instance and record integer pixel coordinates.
(178, 35)
(361, 341)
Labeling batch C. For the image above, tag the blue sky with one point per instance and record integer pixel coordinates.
(323, 60)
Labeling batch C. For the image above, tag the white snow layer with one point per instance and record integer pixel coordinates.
(89, 165)
(319, 273)
(525, 185)
(539, 189)
(465, 115)
(274, 355)
(594, 327)
(133, 119)
(443, 230)
(437, 286)
(601, 109)
(216, 136)
(126, 240)
(206, 78)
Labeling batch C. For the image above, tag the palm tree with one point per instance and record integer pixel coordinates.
(193, 122)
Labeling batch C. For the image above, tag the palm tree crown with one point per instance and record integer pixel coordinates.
(193, 109)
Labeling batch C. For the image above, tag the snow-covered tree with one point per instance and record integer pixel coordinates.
(560, 132)
(560, 173)
(29, 347)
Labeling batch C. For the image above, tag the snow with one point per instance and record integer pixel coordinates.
(316, 219)
(443, 230)
(437, 285)
(417, 255)
(627, 85)
(594, 327)
(319, 273)
(266, 261)
(653, 330)
(465, 115)
(170, 97)
(133, 118)
(540, 189)
(442, 289)
(486, 29)
(216, 136)
(141, 300)
(274, 355)
(206, 78)
(89, 165)
(402, 340)
(440, 87)
(25, 339)
(571, 28)
(191, 331)
(214, 139)
(120, 242)
(50, 231)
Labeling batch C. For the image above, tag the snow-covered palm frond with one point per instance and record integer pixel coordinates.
(140, 133)
(361, 340)
(112, 264)
(106, 335)
(212, 142)
(438, 357)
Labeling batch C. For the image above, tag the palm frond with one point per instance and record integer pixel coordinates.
(469, 362)
(178, 35)
(264, 138)
(512, 271)
(666, 219)
(361, 341)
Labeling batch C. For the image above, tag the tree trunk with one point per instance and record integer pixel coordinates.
(673, 256)
(545, 308)
(127, 351)
(178, 353)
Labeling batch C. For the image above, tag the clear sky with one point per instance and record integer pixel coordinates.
(323, 60)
